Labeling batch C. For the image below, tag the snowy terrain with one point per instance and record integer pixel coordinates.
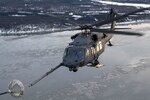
(125, 74)
(123, 4)
(37, 15)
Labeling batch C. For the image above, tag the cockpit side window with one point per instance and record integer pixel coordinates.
(80, 53)
(65, 52)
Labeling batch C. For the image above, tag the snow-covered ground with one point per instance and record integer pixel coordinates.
(124, 76)
(122, 4)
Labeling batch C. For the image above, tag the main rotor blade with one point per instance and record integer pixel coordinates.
(125, 28)
(118, 17)
(39, 33)
(46, 74)
(120, 28)
(117, 32)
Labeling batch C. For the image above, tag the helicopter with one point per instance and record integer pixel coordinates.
(89, 44)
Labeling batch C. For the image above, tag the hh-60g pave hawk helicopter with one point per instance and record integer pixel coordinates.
(87, 45)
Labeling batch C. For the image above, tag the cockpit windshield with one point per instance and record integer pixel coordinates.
(75, 52)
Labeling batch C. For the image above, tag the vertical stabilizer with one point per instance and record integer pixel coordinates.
(112, 14)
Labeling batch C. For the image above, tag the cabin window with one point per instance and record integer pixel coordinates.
(100, 45)
(98, 48)
(87, 52)
(92, 50)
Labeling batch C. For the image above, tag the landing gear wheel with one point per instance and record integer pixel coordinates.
(96, 62)
(75, 69)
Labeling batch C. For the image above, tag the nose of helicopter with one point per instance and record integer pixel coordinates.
(73, 57)
(72, 62)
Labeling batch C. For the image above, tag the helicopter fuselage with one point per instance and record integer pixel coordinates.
(85, 49)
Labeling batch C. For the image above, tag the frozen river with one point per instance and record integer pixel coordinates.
(125, 75)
